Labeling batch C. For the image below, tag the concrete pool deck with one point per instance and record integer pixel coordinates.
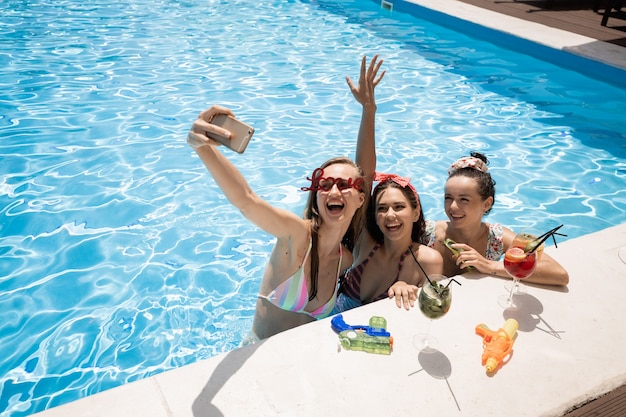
(579, 45)
(569, 349)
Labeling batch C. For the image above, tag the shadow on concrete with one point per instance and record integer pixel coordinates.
(436, 364)
(528, 315)
(232, 362)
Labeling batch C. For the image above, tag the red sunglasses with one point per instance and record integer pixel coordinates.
(321, 183)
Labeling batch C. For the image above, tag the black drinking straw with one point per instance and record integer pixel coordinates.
(426, 275)
(545, 237)
(450, 282)
(424, 272)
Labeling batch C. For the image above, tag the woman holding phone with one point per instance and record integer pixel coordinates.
(300, 280)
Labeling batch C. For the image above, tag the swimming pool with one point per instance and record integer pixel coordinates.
(121, 259)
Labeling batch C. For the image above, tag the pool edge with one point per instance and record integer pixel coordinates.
(604, 61)
(185, 392)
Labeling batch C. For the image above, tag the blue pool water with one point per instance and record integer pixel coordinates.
(119, 256)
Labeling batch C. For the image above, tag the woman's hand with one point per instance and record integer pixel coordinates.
(469, 257)
(368, 80)
(201, 129)
(404, 294)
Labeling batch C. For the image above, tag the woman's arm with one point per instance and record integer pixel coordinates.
(364, 94)
(366, 141)
(548, 271)
(275, 221)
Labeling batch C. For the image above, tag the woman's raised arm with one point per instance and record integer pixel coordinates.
(364, 94)
(275, 221)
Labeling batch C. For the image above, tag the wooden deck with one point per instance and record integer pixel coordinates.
(612, 404)
(575, 16)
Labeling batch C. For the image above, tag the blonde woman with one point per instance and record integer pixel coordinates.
(300, 281)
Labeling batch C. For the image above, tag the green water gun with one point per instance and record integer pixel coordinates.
(371, 339)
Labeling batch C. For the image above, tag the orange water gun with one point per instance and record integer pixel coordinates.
(497, 344)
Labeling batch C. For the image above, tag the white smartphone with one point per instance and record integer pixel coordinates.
(242, 133)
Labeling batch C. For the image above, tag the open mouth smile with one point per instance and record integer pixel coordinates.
(334, 207)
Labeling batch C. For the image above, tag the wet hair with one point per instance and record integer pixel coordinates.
(311, 212)
(419, 226)
(486, 184)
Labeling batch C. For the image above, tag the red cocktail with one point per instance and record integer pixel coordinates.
(519, 264)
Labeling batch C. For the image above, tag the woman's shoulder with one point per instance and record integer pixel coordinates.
(438, 227)
(296, 238)
(496, 230)
(496, 245)
(434, 230)
(428, 254)
(431, 259)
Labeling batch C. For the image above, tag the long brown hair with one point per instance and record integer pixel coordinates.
(311, 212)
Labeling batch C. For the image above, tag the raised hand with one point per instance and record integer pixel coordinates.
(368, 80)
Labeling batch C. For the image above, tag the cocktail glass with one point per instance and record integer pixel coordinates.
(434, 302)
(527, 239)
(519, 265)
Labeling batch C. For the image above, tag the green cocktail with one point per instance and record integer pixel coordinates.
(434, 302)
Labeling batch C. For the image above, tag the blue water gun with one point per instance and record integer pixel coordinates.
(372, 339)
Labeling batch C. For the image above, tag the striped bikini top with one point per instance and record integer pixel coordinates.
(293, 294)
(351, 282)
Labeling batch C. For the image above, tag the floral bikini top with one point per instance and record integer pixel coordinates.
(495, 247)
(293, 294)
